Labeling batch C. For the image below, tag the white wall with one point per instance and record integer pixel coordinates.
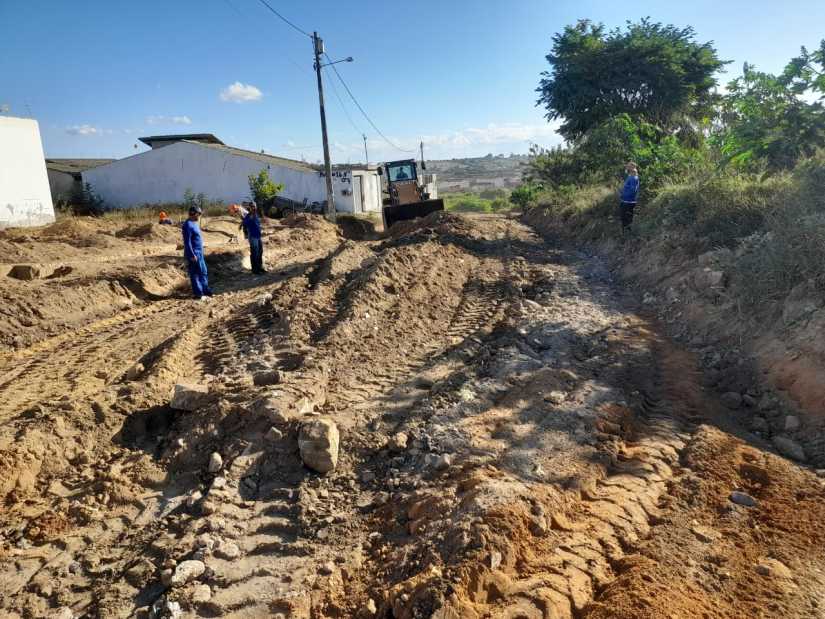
(25, 199)
(163, 175)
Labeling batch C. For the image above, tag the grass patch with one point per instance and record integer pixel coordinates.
(474, 203)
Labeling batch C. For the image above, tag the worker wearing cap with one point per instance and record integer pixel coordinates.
(163, 219)
(251, 224)
(193, 253)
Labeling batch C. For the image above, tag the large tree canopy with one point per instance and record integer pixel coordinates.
(649, 71)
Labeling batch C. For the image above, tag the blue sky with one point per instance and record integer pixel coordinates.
(460, 74)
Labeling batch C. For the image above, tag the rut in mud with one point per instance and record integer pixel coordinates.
(515, 442)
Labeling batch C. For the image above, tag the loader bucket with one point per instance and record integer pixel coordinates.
(405, 212)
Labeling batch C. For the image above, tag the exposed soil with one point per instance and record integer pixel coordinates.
(517, 439)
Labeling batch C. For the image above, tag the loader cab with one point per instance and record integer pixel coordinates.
(400, 171)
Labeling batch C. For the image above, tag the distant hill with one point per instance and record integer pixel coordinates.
(477, 173)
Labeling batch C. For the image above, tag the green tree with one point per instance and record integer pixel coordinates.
(263, 189)
(522, 195)
(651, 72)
(772, 120)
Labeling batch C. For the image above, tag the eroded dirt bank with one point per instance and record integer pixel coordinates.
(516, 441)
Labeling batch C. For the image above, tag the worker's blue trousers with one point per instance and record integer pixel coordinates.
(256, 255)
(198, 277)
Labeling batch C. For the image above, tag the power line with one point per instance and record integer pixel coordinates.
(343, 107)
(284, 19)
(358, 105)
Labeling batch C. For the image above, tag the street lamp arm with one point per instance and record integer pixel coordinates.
(348, 59)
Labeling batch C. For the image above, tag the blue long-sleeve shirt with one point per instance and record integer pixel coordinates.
(630, 191)
(192, 239)
(252, 226)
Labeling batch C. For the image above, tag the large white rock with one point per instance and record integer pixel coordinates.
(189, 396)
(318, 442)
(187, 571)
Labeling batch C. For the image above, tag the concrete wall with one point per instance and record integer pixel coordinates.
(62, 185)
(25, 199)
(163, 175)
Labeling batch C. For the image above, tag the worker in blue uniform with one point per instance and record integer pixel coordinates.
(193, 253)
(251, 223)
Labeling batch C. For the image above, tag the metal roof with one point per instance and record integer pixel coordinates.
(75, 166)
(203, 138)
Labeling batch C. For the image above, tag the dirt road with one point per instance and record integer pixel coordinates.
(516, 439)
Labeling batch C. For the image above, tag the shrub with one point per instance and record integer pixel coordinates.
(263, 189)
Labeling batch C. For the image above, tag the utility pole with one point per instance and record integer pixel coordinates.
(366, 154)
(318, 46)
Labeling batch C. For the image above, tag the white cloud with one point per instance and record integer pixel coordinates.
(83, 130)
(507, 133)
(241, 93)
(168, 120)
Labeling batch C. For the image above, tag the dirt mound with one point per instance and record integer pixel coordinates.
(440, 222)
(357, 228)
(72, 228)
(305, 220)
(150, 232)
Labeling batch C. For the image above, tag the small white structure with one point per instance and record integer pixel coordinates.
(203, 164)
(25, 199)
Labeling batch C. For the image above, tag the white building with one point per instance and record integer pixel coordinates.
(203, 164)
(25, 199)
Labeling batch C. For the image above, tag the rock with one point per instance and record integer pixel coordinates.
(187, 571)
(274, 434)
(264, 300)
(442, 462)
(227, 550)
(215, 462)
(705, 534)
(760, 424)
(742, 498)
(789, 448)
(327, 568)
(370, 607)
(25, 272)
(750, 400)
(708, 278)
(367, 477)
(649, 298)
(731, 400)
(134, 372)
(555, 397)
(267, 377)
(792, 423)
(166, 577)
(62, 613)
(318, 443)
(193, 498)
(398, 442)
(201, 594)
(775, 568)
(494, 560)
(189, 396)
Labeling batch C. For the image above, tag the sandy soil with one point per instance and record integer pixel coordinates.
(517, 439)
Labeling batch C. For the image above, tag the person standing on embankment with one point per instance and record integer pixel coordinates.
(629, 195)
(193, 253)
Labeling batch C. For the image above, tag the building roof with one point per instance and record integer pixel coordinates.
(203, 138)
(75, 166)
(263, 157)
(370, 167)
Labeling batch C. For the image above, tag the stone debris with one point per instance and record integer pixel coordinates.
(789, 448)
(318, 443)
(25, 272)
(188, 396)
(201, 594)
(775, 568)
(398, 442)
(267, 377)
(134, 372)
(215, 462)
(731, 400)
(327, 568)
(274, 434)
(227, 550)
(187, 571)
(705, 534)
(792, 423)
(742, 498)
(370, 608)
(494, 560)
